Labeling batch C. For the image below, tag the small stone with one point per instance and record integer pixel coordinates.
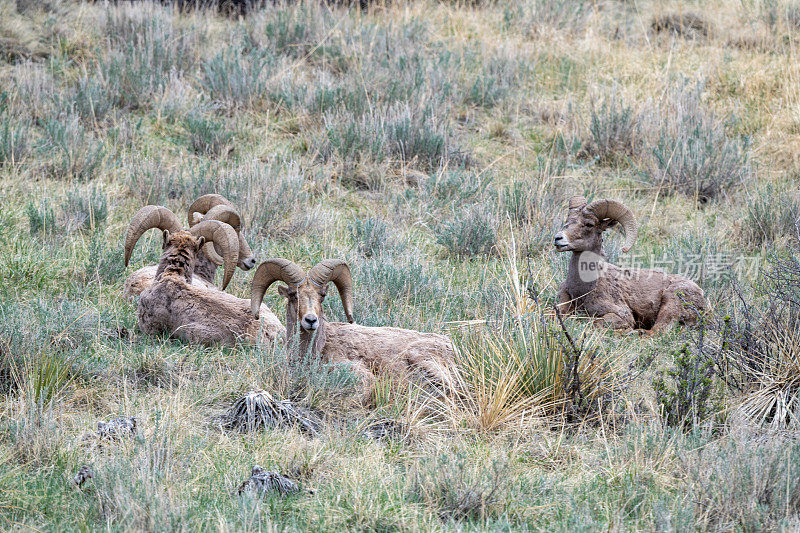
(383, 428)
(84, 474)
(262, 481)
(117, 428)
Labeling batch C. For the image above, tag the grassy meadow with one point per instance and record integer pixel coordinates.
(434, 146)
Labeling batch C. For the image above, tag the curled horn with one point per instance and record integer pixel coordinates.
(269, 272)
(204, 204)
(617, 211)
(577, 201)
(338, 272)
(148, 217)
(229, 215)
(223, 236)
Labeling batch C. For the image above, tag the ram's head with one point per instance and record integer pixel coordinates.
(304, 292)
(217, 207)
(586, 223)
(181, 247)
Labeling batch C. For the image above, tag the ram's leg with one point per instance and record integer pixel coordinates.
(666, 318)
(433, 368)
(566, 305)
(617, 320)
(677, 307)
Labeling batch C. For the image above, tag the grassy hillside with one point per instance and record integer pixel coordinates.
(433, 145)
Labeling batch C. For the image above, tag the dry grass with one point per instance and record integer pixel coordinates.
(433, 145)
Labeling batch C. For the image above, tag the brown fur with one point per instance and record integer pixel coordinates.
(368, 350)
(204, 271)
(623, 298)
(196, 314)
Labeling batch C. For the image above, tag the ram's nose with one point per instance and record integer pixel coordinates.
(248, 263)
(310, 322)
(560, 241)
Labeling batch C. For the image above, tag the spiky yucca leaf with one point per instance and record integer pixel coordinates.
(774, 395)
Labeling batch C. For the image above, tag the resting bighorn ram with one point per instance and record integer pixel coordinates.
(206, 207)
(177, 304)
(367, 349)
(623, 298)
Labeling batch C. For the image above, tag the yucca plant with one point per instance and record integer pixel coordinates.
(529, 367)
(756, 350)
(42, 377)
(774, 396)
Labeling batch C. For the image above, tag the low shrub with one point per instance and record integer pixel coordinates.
(234, 78)
(206, 136)
(744, 483)
(754, 346)
(84, 209)
(456, 489)
(41, 217)
(693, 153)
(72, 152)
(686, 401)
(614, 134)
(472, 231)
(14, 134)
(417, 137)
(373, 237)
(771, 215)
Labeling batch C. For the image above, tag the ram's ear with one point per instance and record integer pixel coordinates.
(165, 234)
(607, 223)
(201, 241)
(283, 290)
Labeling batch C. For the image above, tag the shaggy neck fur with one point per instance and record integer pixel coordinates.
(584, 261)
(204, 267)
(176, 262)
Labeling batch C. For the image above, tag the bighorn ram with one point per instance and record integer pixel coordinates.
(623, 298)
(367, 349)
(176, 303)
(207, 207)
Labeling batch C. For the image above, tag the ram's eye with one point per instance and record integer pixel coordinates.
(590, 224)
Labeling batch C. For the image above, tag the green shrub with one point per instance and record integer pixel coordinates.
(771, 215)
(206, 137)
(744, 482)
(686, 401)
(146, 49)
(149, 181)
(41, 217)
(693, 153)
(455, 188)
(455, 489)
(14, 134)
(72, 152)
(90, 99)
(470, 232)
(485, 92)
(105, 263)
(85, 209)
(372, 236)
(549, 16)
(613, 132)
(389, 286)
(416, 137)
(235, 78)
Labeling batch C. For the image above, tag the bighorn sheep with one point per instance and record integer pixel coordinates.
(177, 304)
(367, 349)
(207, 207)
(623, 298)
